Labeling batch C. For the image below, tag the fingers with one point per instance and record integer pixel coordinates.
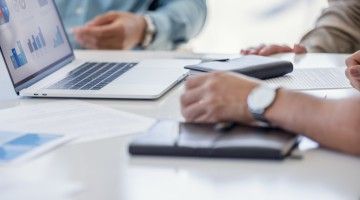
(194, 111)
(192, 96)
(103, 19)
(347, 73)
(252, 50)
(196, 81)
(353, 59)
(299, 49)
(275, 49)
(353, 74)
(355, 71)
(100, 37)
(95, 43)
(102, 32)
(269, 50)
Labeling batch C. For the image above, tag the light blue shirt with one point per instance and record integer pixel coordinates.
(176, 21)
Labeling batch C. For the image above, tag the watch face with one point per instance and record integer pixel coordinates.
(261, 98)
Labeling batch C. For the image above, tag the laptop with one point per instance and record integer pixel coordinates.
(41, 61)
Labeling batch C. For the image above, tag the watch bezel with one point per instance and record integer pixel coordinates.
(258, 112)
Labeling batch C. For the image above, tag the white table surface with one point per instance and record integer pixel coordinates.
(107, 172)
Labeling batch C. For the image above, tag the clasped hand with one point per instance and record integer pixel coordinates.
(113, 30)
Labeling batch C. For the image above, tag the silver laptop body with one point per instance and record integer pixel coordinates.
(41, 62)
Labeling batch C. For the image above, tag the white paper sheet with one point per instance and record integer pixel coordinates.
(19, 147)
(313, 79)
(75, 118)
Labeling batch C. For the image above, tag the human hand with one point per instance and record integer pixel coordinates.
(217, 97)
(353, 70)
(113, 30)
(268, 50)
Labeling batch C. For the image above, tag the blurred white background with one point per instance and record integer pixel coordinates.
(236, 24)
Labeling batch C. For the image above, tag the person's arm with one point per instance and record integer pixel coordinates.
(222, 97)
(333, 123)
(177, 21)
(337, 29)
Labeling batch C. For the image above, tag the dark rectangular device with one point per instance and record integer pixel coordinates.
(170, 138)
(254, 66)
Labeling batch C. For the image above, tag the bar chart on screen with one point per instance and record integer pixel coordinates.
(36, 42)
(18, 57)
(58, 40)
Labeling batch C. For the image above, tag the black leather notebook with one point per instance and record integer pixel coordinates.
(254, 66)
(169, 138)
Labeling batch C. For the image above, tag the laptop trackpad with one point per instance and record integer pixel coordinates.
(145, 81)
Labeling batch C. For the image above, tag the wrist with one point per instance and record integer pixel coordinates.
(149, 32)
(141, 29)
(259, 101)
(279, 105)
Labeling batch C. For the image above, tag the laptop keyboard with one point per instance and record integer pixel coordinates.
(92, 76)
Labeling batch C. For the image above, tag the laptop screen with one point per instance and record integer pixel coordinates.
(32, 40)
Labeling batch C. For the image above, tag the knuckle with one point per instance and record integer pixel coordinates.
(348, 61)
(212, 100)
(347, 73)
(213, 84)
(214, 107)
(184, 99)
(186, 114)
(216, 74)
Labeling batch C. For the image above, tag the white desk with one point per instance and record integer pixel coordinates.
(108, 172)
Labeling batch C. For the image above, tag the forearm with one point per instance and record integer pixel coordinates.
(330, 40)
(333, 123)
(177, 21)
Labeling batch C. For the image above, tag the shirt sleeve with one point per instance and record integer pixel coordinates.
(176, 22)
(337, 30)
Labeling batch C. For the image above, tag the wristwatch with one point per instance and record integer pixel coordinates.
(259, 100)
(150, 32)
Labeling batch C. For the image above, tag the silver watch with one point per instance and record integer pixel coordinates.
(259, 100)
(150, 32)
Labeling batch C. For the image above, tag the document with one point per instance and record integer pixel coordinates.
(72, 118)
(18, 147)
(313, 79)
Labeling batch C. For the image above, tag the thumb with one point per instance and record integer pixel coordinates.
(104, 19)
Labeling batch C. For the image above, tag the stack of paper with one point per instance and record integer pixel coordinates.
(72, 118)
(313, 79)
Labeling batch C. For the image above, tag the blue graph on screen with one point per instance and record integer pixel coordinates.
(36, 42)
(58, 40)
(18, 57)
(4, 13)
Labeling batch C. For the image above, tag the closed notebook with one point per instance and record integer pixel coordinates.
(169, 138)
(254, 66)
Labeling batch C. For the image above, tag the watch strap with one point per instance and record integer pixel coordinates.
(149, 32)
